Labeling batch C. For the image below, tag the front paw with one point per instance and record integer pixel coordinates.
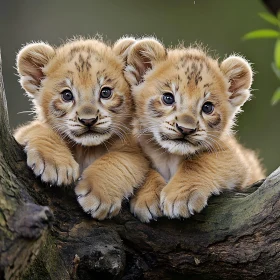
(54, 164)
(183, 202)
(97, 199)
(146, 206)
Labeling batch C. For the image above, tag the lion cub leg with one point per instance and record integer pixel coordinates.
(145, 205)
(47, 154)
(110, 179)
(196, 180)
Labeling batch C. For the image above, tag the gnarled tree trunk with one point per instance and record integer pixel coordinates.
(45, 234)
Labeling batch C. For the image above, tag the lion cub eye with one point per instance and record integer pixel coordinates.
(168, 98)
(106, 93)
(208, 108)
(67, 95)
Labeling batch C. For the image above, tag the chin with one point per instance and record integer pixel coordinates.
(178, 148)
(92, 139)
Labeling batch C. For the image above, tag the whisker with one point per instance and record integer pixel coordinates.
(27, 112)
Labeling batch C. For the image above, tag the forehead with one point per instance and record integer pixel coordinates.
(191, 75)
(86, 63)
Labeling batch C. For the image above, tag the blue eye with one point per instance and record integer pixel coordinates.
(168, 98)
(67, 95)
(106, 93)
(208, 108)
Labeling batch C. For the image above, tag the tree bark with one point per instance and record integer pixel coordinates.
(46, 235)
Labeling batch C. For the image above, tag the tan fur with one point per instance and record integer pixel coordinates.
(145, 203)
(59, 146)
(208, 159)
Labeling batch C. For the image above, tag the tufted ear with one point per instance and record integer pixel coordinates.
(240, 76)
(122, 47)
(142, 56)
(31, 60)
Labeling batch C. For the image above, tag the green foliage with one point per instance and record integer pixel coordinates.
(269, 18)
(277, 54)
(275, 70)
(270, 33)
(276, 96)
(262, 33)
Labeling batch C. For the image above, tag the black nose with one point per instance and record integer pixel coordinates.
(88, 122)
(185, 130)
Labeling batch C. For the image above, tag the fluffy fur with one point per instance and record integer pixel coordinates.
(81, 128)
(193, 151)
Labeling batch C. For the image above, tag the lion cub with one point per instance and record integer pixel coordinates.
(186, 103)
(83, 108)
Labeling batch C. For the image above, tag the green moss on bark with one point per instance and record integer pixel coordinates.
(48, 264)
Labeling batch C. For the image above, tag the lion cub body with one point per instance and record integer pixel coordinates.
(186, 103)
(83, 107)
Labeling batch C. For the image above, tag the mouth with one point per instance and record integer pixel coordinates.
(90, 132)
(91, 136)
(180, 140)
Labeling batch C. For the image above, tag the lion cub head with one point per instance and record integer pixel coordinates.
(185, 100)
(78, 88)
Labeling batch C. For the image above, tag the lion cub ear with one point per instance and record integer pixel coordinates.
(142, 56)
(240, 76)
(31, 60)
(122, 47)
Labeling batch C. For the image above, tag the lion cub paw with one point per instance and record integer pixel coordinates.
(146, 206)
(98, 201)
(183, 202)
(55, 164)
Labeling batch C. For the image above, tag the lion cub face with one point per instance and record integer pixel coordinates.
(78, 88)
(184, 99)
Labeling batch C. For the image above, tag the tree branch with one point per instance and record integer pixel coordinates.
(23, 224)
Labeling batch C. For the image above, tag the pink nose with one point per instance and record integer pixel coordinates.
(185, 130)
(88, 122)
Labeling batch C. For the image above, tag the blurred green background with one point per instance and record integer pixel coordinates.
(219, 24)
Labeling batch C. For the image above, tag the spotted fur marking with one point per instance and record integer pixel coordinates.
(117, 104)
(217, 120)
(154, 107)
(56, 109)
